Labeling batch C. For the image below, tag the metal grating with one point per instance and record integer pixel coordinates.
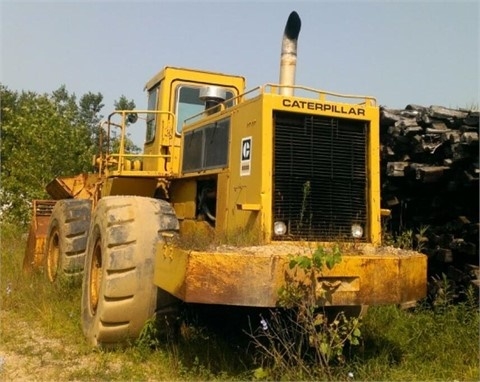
(206, 147)
(43, 207)
(319, 176)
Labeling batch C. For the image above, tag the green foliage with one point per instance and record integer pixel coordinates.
(421, 344)
(306, 337)
(124, 104)
(404, 240)
(43, 136)
(89, 114)
(41, 325)
(305, 200)
(303, 286)
(42, 321)
(149, 337)
(320, 258)
(443, 292)
(407, 239)
(30, 296)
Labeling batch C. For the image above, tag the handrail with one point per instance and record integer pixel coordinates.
(121, 155)
(269, 88)
(223, 106)
(272, 88)
(276, 89)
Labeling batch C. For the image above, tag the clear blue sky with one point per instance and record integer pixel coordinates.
(400, 52)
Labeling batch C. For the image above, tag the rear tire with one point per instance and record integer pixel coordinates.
(67, 239)
(119, 295)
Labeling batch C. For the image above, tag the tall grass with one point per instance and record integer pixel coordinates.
(29, 298)
(427, 343)
(29, 302)
(424, 344)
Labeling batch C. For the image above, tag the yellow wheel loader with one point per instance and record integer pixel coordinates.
(281, 168)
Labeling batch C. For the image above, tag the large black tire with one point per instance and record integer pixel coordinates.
(66, 239)
(119, 295)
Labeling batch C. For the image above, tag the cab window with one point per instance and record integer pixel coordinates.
(190, 104)
(152, 117)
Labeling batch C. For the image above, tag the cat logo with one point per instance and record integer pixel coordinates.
(246, 156)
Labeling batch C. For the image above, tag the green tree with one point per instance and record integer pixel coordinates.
(65, 103)
(42, 137)
(124, 104)
(90, 106)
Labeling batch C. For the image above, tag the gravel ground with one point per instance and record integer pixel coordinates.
(27, 353)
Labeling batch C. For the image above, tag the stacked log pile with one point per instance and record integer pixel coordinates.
(430, 181)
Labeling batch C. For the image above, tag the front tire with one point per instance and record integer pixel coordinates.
(67, 239)
(119, 295)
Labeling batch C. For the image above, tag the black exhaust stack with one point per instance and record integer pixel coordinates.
(288, 58)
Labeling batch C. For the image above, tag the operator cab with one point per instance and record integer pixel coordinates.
(180, 94)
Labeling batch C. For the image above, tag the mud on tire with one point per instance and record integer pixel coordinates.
(119, 295)
(67, 239)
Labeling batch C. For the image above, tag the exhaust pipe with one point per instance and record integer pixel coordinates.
(288, 58)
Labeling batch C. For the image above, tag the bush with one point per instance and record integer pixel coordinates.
(304, 339)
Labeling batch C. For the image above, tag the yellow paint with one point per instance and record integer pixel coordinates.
(243, 196)
(249, 203)
(82, 186)
(129, 186)
(168, 142)
(244, 201)
(249, 207)
(183, 198)
(196, 232)
(37, 234)
(253, 277)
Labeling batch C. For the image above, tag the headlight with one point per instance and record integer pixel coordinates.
(357, 231)
(279, 228)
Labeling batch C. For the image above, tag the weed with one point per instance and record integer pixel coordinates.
(442, 292)
(305, 200)
(404, 240)
(421, 238)
(303, 336)
(407, 239)
(241, 237)
(201, 236)
(149, 337)
(424, 344)
(431, 342)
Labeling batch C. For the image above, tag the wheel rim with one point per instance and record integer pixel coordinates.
(95, 277)
(53, 254)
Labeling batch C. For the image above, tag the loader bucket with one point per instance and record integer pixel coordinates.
(37, 235)
(253, 276)
(82, 186)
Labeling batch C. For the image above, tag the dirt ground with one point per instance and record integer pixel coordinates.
(28, 354)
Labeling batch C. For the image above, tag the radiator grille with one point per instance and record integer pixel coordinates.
(319, 176)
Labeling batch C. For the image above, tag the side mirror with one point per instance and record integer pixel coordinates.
(132, 117)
